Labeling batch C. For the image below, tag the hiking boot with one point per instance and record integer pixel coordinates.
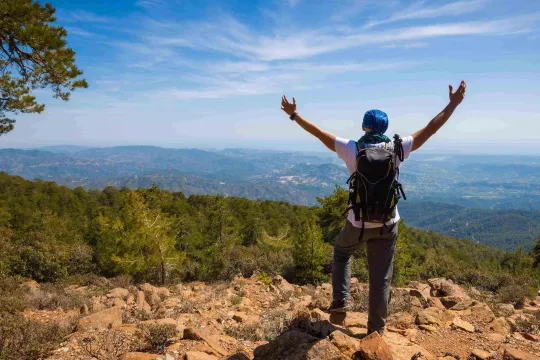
(338, 306)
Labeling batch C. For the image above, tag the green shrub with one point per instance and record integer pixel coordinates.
(156, 336)
(264, 278)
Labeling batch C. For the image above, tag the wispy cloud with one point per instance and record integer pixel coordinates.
(79, 32)
(293, 3)
(227, 80)
(85, 16)
(149, 3)
(233, 38)
(419, 10)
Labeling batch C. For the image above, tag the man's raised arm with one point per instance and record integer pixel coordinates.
(422, 135)
(327, 138)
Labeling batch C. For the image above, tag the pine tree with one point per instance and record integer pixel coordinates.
(536, 253)
(140, 241)
(309, 253)
(33, 55)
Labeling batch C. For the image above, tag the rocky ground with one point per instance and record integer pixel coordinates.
(269, 319)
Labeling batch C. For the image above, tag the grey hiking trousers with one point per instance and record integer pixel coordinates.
(380, 254)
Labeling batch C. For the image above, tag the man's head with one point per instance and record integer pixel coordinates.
(375, 121)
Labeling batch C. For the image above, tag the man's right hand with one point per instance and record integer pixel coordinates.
(457, 97)
(287, 106)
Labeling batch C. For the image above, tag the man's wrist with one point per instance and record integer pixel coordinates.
(453, 104)
(293, 115)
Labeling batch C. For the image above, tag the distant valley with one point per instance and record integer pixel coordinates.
(491, 199)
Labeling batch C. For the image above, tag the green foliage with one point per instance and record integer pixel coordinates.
(309, 253)
(139, 242)
(264, 278)
(33, 56)
(535, 252)
(51, 234)
(330, 213)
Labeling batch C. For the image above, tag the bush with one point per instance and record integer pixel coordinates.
(156, 336)
(531, 325)
(514, 294)
(107, 345)
(52, 296)
(22, 339)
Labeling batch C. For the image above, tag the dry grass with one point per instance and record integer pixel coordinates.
(107, 345)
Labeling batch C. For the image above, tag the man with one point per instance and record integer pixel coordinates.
(380, 243)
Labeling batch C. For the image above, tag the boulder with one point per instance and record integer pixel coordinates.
(424, 289)
(118, 293)
(103, 319)
(401, 320)
(450, 301)
(463, 325)
(442, 287)
(495, 339)
(197, 355)
(403, 349)
(511, 353)
(436, 303)
(464, 305)
(373, 347)
(433, 316)
(346, 344)
(500, 326)
(142, 305)
(482, 313)
(356, 319)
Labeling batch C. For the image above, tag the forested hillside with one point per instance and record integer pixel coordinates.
(503, 229)
(49, 232)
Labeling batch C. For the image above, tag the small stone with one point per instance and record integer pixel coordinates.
(511, 353)
(463, 325)
(481, 354)
(428, 328)
(495, 338)
(500, 326)
(197, 355)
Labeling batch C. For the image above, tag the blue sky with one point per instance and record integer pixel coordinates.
(181, 73)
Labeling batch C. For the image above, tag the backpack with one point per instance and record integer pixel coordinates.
(374, 190)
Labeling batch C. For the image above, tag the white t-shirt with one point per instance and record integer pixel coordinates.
(347, 151)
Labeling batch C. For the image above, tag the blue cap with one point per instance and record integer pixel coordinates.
(376, 120)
